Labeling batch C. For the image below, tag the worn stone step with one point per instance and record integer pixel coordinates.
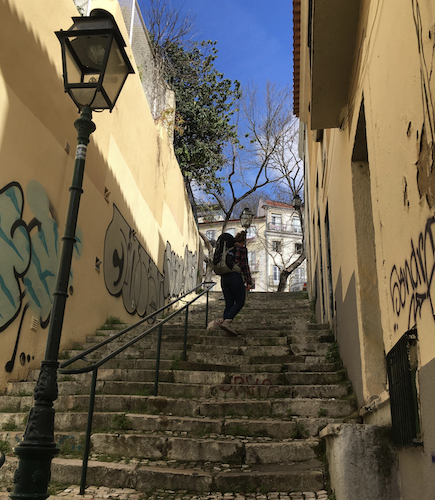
(183, 449)
(291, 358)
(307, 476)
(266, 350)
(239, 387)
(238, 341)
(310, 337)
(235, 377)
(12, 425)
(217, 359)
(296, 364)
(273, 408)
(234, 407)
(147, 343)
(130, 353)
(311, 349)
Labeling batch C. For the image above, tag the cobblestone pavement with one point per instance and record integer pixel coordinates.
(104, 493)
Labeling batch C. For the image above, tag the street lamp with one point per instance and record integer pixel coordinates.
(246, 218)
(95, 67)
(297, 202)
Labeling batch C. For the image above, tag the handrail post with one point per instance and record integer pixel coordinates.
(206, 309)
(88, 432)
(156, 378)
(186, 319)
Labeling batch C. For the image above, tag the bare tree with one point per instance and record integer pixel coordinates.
(168, 25)
(256, 160)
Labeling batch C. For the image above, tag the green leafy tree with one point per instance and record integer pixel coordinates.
(205, 103)
(205, 99)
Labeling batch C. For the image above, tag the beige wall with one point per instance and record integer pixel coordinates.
(380, 208)
(144, 232)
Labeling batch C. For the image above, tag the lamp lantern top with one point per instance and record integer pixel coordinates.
(246, 218)
(95, 64)
(297, 201)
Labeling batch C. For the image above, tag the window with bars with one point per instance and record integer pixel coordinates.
(402, 363)
(276, 246)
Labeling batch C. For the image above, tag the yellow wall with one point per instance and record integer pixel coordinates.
(382, 230)
(146, 227)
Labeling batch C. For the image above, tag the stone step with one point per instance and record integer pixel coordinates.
(310, 338)
(205, 377)
(130, 353)
(297, 364)
(147, 343)
(184, 449)
(293, 364)
(233, 407)
(312, 349)
(238, 341)
(238, 387)
(12, 426)
(167, 475)
(261, 350)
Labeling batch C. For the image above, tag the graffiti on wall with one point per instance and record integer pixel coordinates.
(130, 272)
(29, 259)
(411, 283)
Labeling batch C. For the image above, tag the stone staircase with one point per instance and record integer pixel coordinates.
(240, 415)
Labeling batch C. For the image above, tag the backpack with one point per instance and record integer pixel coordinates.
(223, 259)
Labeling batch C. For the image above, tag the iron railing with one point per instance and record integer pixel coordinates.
(95, 365)
(284, 228)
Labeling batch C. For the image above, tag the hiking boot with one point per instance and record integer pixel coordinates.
(215, 324)
(226, 325)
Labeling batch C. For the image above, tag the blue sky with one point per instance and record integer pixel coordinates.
(254, 37)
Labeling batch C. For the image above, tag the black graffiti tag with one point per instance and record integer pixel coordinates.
(131, 273)
(410, 285)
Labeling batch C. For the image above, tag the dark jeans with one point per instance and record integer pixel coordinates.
(234, 293)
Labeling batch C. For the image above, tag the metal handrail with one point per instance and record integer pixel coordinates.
(94, 366)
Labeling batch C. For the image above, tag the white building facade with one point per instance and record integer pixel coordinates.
(274, 241)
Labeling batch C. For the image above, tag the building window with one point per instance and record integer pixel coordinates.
(231, 231)
(296, 225)
(276, 222)
(276, 219)
(276, 246)
(298, 248)
(251, 232)
(211, 235)
(276, 273)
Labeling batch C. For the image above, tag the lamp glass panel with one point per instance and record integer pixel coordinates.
(84, 97)
(116, 72)
(100, 102)
(90, 51)
(73, 73)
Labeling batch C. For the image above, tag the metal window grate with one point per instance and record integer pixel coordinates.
(403, 394)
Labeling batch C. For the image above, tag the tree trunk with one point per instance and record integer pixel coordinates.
(285, 273)
(283, 280)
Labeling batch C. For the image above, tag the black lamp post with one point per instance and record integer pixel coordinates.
(95, 67)
(297, 202)
(246, 218)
